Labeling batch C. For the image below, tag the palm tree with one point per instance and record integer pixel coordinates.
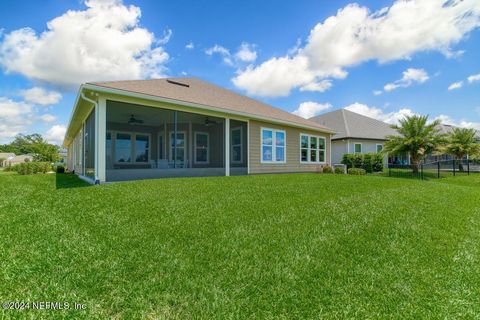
(416, 137)
(462, 142)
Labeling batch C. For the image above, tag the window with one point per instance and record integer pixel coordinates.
(358, 148)
(273, 145)
(142, 145)
(160, 147)
(201, 147)
(312, 149)
(123, 147)
(108, 149)
(379, 148)
(181, 150)
(236, 145)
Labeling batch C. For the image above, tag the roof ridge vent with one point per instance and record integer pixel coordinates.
(178, 83)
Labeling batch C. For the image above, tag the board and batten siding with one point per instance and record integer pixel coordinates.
(292, 163)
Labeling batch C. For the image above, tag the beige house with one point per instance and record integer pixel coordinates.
(178, 127)
(11, 159)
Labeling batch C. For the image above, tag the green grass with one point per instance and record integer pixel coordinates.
(270, 246)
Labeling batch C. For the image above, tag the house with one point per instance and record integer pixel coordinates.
(12, 160)
(177, 127)
(444, 129)
(356, 133)
(5, 157)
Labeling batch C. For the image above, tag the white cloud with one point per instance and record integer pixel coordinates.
(473, 78)
(445, 119)
(103, 42)
(56, 134)
(410, 76)
(222, 51)
(377, 92)
(246, 53)
(310, 109)
(379, 114)
(190, 46)
(48, 118)
(455, 85)
(355, 35)
(320, 86)
(14, 117)
(40, 96)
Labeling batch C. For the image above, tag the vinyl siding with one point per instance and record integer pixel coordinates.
(292, 163)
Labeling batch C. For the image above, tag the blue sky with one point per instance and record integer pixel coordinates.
(385, 59)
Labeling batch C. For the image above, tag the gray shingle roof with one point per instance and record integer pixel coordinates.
(349, 124)
(194, 90)
(447, 128)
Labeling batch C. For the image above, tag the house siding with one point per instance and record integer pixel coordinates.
(292, 163)
(368, 146)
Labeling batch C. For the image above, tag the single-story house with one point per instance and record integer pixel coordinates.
(176, 127)
(12, 160)
(356, 133)
(4, 157)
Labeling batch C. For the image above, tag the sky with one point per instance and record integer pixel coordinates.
(383, 59)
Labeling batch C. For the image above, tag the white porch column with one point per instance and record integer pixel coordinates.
(100, 140)
(227, 146)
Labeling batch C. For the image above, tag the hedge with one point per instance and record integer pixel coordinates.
(31, 167)
(327, 169)
(370, 162)
(357, 171)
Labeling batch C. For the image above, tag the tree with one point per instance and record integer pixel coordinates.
(416, 137)
(462, 142)
(33, 144)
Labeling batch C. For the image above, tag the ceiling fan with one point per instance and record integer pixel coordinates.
(209, 122)
(134, 120)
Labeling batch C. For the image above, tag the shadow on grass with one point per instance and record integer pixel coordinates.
(67, 181)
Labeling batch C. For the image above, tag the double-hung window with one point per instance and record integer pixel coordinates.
(357, 147)
(273, 146)
(312, 149)
(379, 148)
(236, 145)
(201, 147)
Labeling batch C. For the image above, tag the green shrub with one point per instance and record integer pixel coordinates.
(31, 167)
(377, 163)
(357, 171)
(339, 170)
(367, 162)
(348, 160)
(327, 169)
(357, 160)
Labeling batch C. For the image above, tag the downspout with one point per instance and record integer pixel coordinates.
(95, 104)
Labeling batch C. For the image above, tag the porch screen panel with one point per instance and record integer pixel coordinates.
(89, 146)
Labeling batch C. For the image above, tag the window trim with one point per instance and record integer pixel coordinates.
(309, 149)
(170, 147)
(239, 128)
(376, 147)
(361, 148)
(195, 147)
(133, 139)
(274, 146)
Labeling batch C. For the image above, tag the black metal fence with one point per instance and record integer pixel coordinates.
(435, 170)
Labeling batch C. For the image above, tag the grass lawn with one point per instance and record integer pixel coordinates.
(270, 246)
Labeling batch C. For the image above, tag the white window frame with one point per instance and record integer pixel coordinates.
(133, 139)
(236, 145)
(309, 149)
(274, 146)
(376, 147)
(361, 148)
(170, 148)
(195, 147)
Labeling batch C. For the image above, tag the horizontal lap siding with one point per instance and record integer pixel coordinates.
(292, 150)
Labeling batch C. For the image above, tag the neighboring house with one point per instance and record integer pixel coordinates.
(5, 157)
(445, 129)
(62, 154)
(18, 159)
(127, 130)
(356, 134)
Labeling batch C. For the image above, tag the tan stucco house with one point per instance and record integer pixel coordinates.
(176, 127)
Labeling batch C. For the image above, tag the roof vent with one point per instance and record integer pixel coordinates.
(178, 83)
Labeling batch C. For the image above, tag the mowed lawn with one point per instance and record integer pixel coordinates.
(269, 246)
